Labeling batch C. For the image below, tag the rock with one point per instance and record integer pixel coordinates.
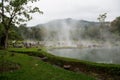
(44, 58)
(66, 66)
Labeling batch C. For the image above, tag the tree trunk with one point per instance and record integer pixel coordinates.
(6, 39)
(2, 40)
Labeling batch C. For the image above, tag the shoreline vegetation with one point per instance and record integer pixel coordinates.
(99, 70)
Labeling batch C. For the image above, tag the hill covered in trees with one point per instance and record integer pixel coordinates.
(77, 29)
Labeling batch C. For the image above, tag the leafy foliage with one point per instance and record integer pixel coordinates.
(31, 33)
(18, 10)
(14, 33)
(102, 17)
(15, 12)
(115, 25)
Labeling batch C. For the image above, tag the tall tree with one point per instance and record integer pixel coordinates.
(15, 12)
(101, 19)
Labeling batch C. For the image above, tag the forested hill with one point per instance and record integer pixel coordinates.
(70, 22)
(89, 29)
(77, 29)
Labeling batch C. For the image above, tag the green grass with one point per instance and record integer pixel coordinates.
(23, 49)
(32, 68)
(107, 69)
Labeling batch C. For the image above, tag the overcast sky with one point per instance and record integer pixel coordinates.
(76, 9)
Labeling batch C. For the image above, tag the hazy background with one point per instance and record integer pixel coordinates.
(76, 9)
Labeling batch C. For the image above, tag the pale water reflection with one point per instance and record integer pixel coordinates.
(99, 55)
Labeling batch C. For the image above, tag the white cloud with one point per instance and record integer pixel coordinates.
(78, 9)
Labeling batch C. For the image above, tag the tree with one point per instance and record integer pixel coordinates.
(1, 35)
(35, 33)
(115, 25)
(24, 31)
(101, 19)
(14, 33)
(15, 12)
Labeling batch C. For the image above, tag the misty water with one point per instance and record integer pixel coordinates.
(99, 55)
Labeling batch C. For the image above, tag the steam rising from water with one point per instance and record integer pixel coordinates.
(71, 33)
(75, 33)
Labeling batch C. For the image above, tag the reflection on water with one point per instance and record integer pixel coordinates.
(99, 55)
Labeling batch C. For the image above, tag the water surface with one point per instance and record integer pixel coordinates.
(99, 55)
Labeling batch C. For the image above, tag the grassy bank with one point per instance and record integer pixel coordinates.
(33, 68)
(105, 71)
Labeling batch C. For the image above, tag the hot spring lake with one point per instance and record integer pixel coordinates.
(99, 55)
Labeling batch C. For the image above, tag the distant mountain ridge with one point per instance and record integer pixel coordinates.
(65, 29)
(70, 22)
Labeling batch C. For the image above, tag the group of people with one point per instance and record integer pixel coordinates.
(26, 44)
